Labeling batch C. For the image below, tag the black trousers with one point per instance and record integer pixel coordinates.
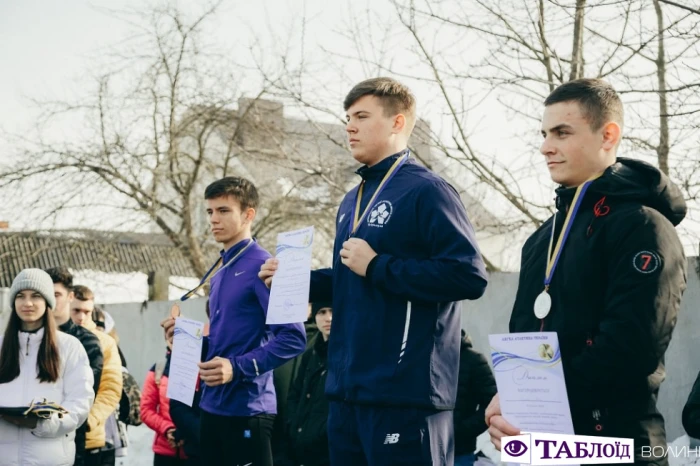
(236, 441)
(161, 460)
(80, 445)
(99, 458)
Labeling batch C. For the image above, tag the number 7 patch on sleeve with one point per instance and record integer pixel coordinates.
(646, 262)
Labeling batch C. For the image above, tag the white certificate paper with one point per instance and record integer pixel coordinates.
(289, 296)
(530, 381)
(186, 353)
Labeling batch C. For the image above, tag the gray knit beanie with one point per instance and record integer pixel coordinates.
(35, 280)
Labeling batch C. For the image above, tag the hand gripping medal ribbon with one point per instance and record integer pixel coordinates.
(543, 303)
(356, 218)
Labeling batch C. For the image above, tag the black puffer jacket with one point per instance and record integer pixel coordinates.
(96, 359)
(284, 376)
(476, 387)
(691, 411)
(92, 347)
(307, 409)
(616, 294)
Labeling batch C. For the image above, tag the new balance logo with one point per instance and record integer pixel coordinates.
(391, 438)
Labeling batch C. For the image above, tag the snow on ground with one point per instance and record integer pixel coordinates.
(139, 452)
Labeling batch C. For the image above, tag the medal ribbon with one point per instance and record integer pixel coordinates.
(208, 279)
(553, 259)
(356, 217)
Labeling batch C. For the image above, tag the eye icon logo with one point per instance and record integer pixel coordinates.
(515, 448)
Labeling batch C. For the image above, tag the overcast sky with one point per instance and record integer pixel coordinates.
(52, 49)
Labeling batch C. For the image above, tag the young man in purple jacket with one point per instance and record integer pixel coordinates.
(405, 255)
(238, 403)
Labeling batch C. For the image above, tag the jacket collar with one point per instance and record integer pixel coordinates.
(26, 338)
(67, 326)
(378, 170)
(235, 249)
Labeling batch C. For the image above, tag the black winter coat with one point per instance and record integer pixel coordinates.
(476, 387)
(187, 423)
(616, 294)
(96, 359)
(284, 376)
(307, 409)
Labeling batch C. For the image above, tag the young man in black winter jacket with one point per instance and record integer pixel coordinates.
(615, 291)
(63, 290)
(475, 389)
(307, 406)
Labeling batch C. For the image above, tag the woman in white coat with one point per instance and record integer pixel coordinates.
(36, 362)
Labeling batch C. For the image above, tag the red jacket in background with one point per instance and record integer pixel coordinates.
(155, 411)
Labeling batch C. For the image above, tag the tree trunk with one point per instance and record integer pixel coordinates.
(577, 52)
(662, 149)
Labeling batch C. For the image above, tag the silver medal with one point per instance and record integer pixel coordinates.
(543, 304)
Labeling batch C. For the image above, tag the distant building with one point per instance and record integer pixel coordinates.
(118, 266)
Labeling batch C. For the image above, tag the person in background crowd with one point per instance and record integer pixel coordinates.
(38, 362)
(284, 376)
(115, 430)
(129, 405)
(155, 412)
(63, 292)
(307, 433)
(186, 418)
(110, 329)
(476, 387)
(97, 452)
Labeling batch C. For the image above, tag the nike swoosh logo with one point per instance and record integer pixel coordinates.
(237, 274)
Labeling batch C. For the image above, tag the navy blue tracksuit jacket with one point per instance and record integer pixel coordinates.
(396, 333)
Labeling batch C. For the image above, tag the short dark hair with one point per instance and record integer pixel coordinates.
(395, 97)
(83, 293)
(98, 317)
(61, 275)
(598, 100)
(239, 188)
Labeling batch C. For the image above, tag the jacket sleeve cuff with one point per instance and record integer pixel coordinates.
(46, 428)
(376, 270)
(166, 427)
(242, 369)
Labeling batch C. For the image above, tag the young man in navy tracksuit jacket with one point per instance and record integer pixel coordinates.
(398, 276)
(238, 403)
